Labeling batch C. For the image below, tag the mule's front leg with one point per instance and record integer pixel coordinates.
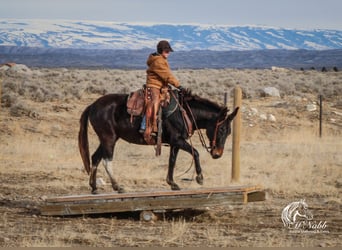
(191, 150)
(199, 176)
(172, 162)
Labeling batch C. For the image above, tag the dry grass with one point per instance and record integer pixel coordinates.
(297, 162)
(39, 155)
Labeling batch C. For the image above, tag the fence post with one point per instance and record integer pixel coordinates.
(236, 136)
(320, 115)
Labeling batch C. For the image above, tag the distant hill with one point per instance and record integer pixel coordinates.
(110, 35)
(55, 43)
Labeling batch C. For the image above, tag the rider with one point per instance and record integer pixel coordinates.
(159, 75)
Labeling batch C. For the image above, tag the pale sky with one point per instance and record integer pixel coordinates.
(306, 14)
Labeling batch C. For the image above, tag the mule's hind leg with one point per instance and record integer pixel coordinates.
(95, 160)
(100, 154)
(108, 166)
(108, 144)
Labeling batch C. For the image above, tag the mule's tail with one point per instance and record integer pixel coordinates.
(83, 143)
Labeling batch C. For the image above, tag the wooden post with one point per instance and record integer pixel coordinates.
(320, 115)
(236, 136)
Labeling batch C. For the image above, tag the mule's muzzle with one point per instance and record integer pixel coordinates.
(216, 153)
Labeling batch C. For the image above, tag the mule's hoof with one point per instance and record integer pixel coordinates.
(175, 187)
(121, 190)
(199, 179)
(94, 191)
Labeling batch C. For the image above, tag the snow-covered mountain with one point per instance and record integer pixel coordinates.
(184, 37)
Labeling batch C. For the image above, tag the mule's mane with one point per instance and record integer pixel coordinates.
(188, 96)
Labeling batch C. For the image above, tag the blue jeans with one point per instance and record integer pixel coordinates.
(143, 123)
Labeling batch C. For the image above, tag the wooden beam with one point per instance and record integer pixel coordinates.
(256, 196)
(152, 193)
(157, 200)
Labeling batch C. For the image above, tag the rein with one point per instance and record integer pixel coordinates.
(182, 111)
(218, 124)
(193, 119)
(200, 134)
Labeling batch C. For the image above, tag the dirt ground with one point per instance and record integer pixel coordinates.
(39, 158)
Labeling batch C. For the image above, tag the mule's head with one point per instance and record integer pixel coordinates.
(219, 130)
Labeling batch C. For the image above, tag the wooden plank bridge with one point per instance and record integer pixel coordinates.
(150, 201)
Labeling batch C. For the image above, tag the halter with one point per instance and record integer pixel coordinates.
(218, 123)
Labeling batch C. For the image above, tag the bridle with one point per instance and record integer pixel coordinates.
(218, 124)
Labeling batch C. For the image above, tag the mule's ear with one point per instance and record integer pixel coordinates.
(233, 114)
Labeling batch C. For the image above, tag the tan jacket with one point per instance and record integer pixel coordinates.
(159, 73)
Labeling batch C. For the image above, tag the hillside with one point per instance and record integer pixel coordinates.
(83, 44)
(184, 37)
